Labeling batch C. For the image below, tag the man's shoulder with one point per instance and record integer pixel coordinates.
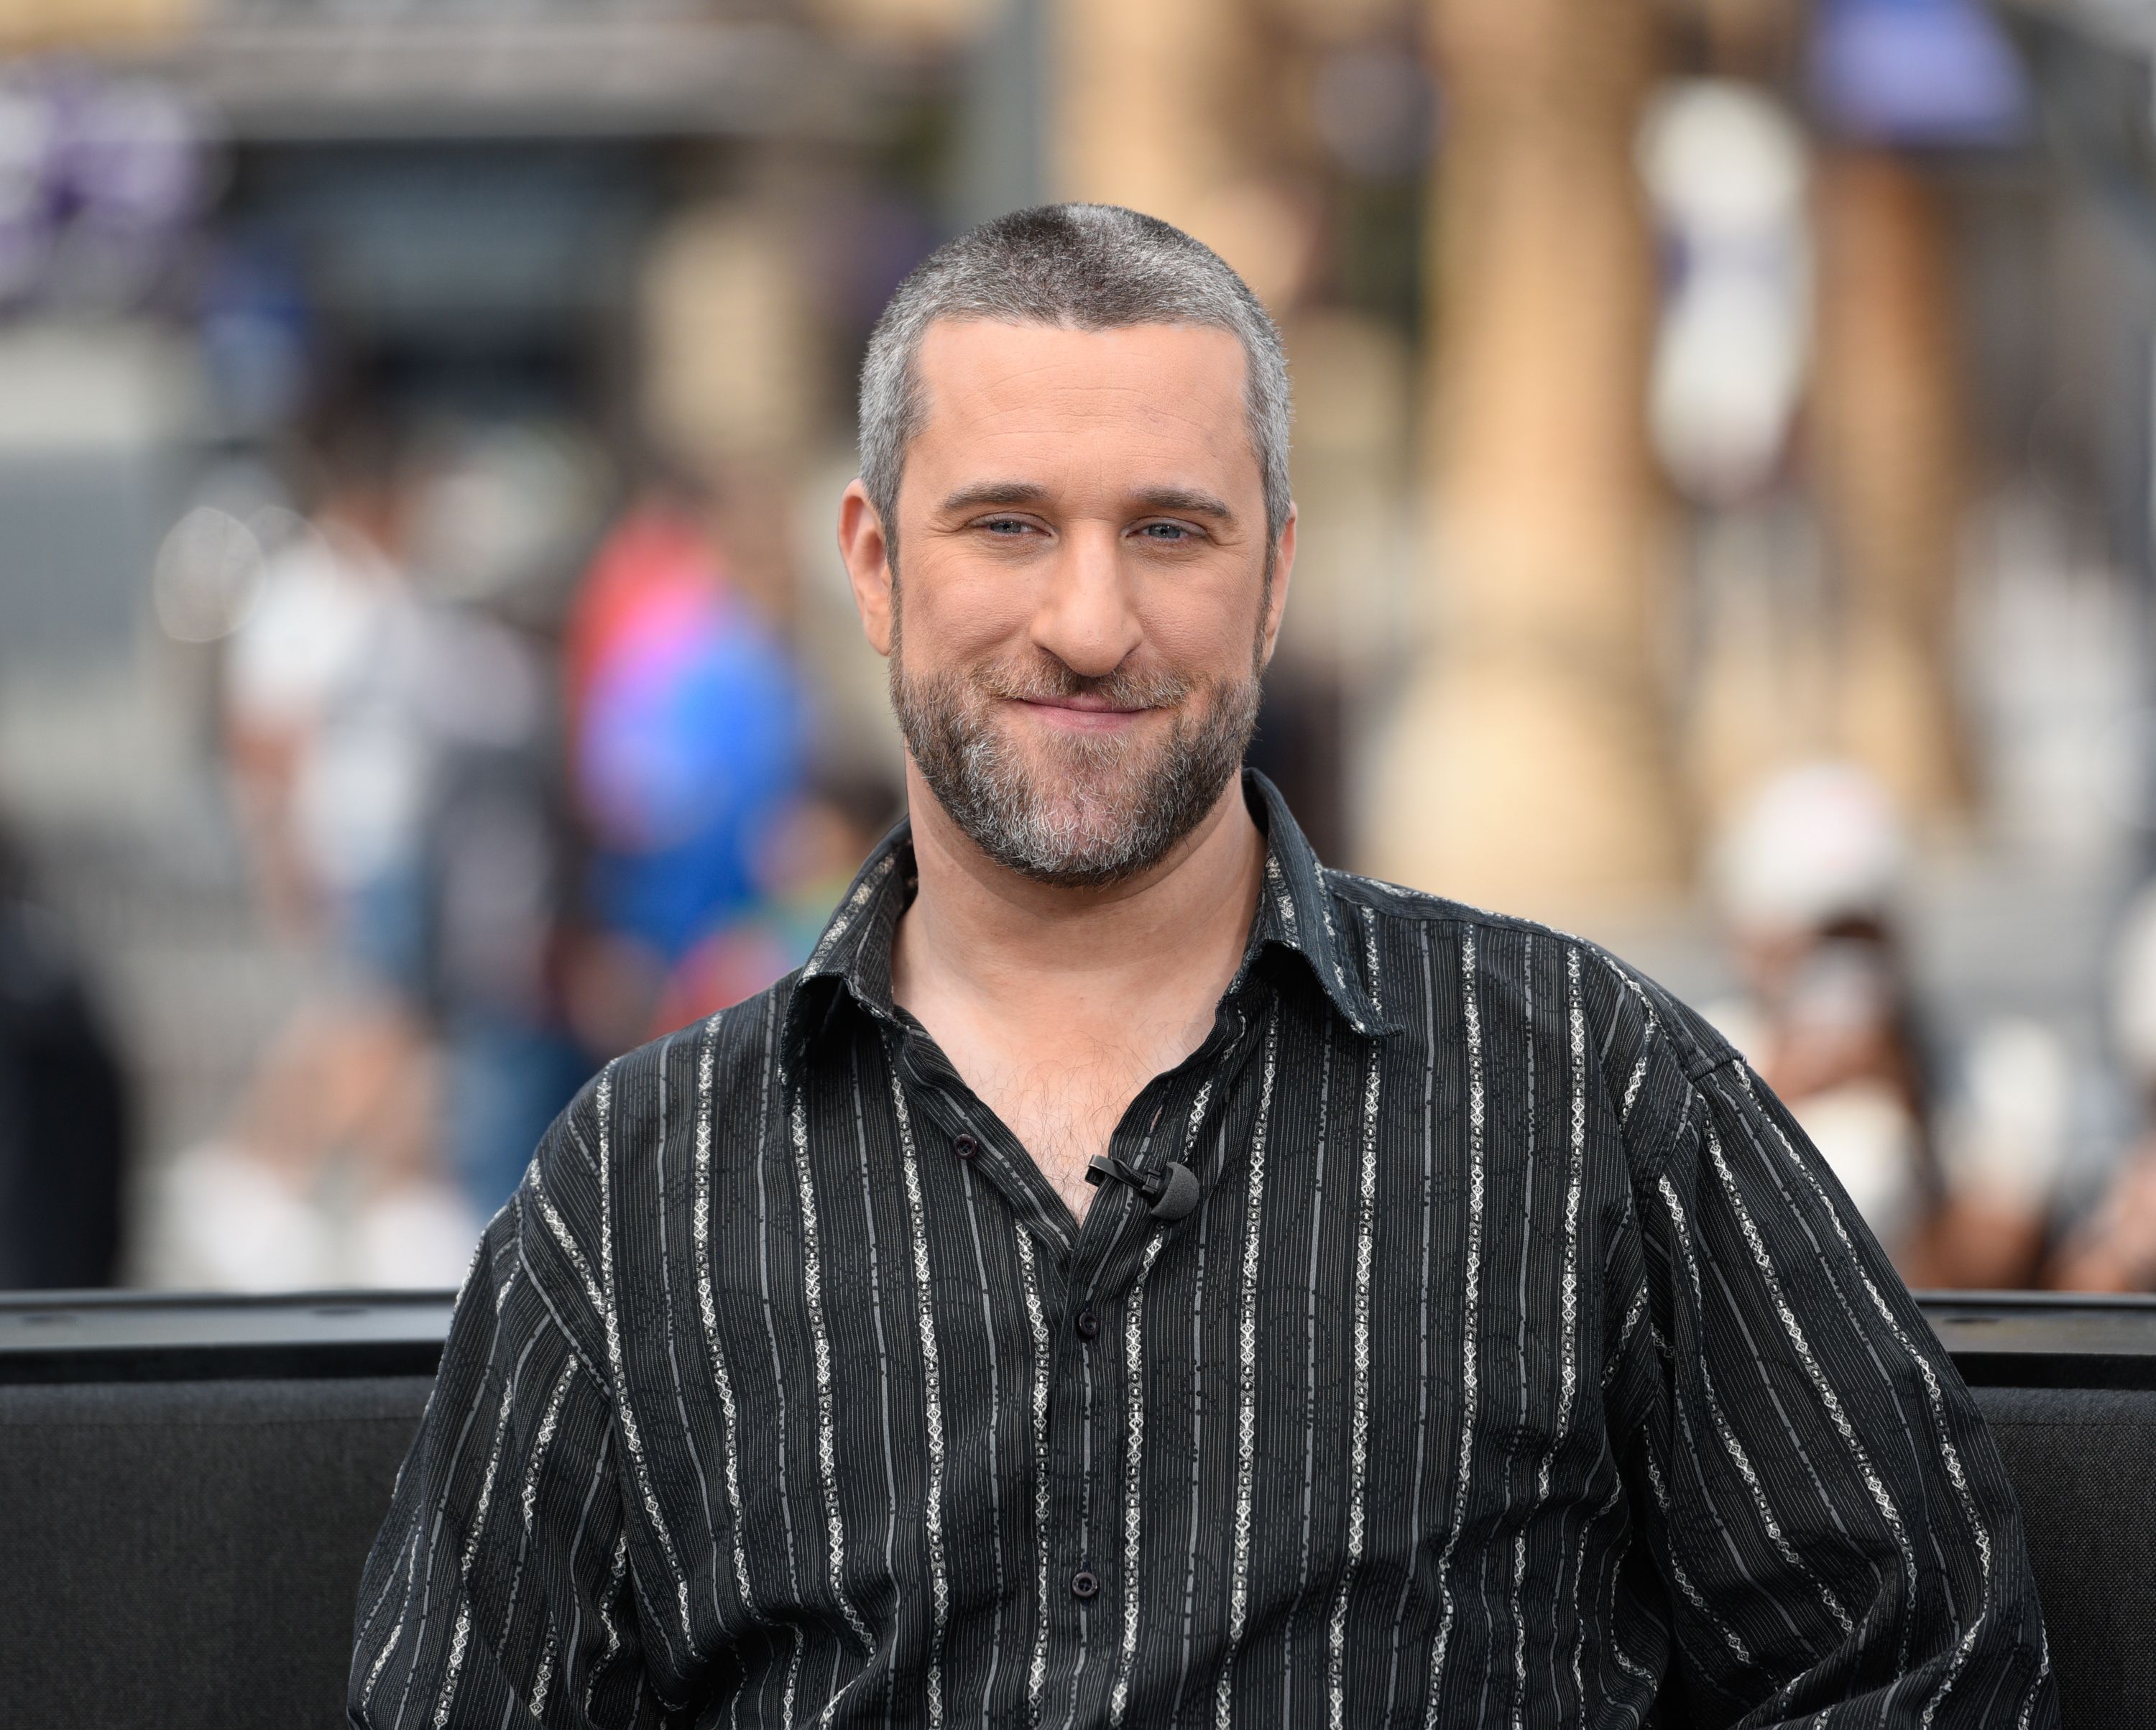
(1421, 906)
(1398, 902)
(1622, 1004)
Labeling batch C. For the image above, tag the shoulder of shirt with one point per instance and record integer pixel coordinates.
(1625, 1004)
(665, 1088)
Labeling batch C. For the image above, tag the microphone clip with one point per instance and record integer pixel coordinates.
(1169, 1195)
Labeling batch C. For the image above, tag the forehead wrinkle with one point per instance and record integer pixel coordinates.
(1005, 405)
(1018, 434)
(983, 389)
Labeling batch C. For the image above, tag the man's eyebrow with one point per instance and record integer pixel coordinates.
(1187, 499)
(989, 493)
(995, 492)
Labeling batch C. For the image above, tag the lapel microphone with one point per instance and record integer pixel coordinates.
(1169, 1195)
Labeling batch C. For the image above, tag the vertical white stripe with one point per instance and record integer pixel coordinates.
(994, 1438)
(872, 1173)
(1316, 1192)
(1133, 1481)
(605, 1472)
(1358, 1422)
(827, 1463)
(1422, 1378)
(932, 1392)
(707, 1310)
(665, 1143)
(541, 1683)
(1199, 1394)
(1036, 1674)
(1569, 1302)
(772, 1069)
(1246, 1421)
(549, 1423)
(624, 1408)
(614, 1574)
(1469, 1323)
(1568, 1292)
(1529, 1263)
(558, 1229)
(396, 1627)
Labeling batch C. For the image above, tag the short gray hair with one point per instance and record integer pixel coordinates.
(1086, 267)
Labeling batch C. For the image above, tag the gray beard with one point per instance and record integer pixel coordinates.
(1098, 810)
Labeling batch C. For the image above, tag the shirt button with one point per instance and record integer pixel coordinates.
(1085, 1583)
(1089, 1327)
(965, 1147)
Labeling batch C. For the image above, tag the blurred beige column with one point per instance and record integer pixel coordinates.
(1144, 102)
(42, 26)
(1528, 764)
(1886, 447)
(731, 372)
(1166, 106)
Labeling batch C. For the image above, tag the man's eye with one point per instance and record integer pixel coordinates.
(1170, 532)
(1007, 525)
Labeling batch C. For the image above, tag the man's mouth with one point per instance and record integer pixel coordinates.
(1081, 714)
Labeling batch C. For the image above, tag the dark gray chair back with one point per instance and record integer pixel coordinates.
(2083, 1462)
(186, 1555)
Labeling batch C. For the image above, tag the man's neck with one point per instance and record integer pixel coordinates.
(986, 931)
(1058, 1005)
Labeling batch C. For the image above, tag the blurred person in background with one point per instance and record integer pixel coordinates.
(64, 1112)
(1956, 1185)
(804, 862)
(328, 1172)
(687, 754)
(2114, 1248)
(497, 853)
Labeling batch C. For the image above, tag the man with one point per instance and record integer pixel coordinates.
(1461, 1335)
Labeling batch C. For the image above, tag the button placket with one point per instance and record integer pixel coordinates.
(939, 1096)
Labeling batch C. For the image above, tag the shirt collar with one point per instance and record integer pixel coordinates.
(1296, 912)
(1294, 916)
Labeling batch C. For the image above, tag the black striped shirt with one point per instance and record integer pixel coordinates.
(1522, 1365)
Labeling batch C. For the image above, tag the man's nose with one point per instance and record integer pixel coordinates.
(1085, 619)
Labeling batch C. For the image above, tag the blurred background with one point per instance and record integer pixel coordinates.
(425, 668)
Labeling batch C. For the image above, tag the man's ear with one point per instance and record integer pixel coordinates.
(866, 551)
(1277, 600)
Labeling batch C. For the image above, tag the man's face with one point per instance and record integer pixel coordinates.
(1085, 609)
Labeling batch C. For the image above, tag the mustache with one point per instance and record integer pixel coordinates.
(1050, 681)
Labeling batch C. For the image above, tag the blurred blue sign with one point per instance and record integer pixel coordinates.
(1935, 73)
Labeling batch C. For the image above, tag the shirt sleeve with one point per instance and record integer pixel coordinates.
(500, 1593)
(1817, 1489)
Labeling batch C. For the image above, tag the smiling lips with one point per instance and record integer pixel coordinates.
(1081, 714)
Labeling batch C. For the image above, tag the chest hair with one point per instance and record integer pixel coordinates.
(1065, 1106)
